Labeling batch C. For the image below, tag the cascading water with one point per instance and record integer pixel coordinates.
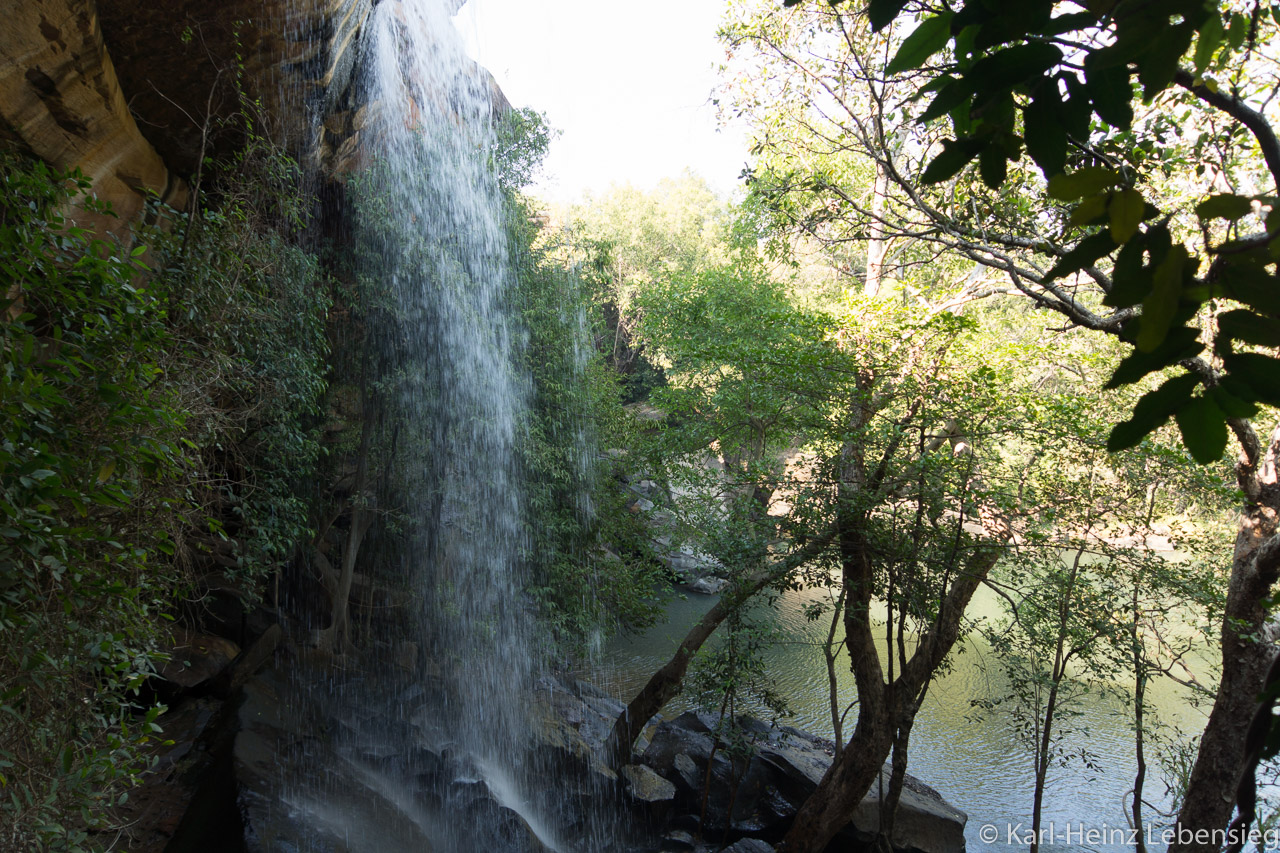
(444, 259)
(430, 751)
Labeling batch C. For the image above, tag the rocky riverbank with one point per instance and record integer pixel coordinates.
(686, 791)
(266, 745)
(691, 791)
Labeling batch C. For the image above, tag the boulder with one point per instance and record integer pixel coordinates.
(749, 845)
(710, 585)
(196, 658)
(925, 823)
(646, 786)
(688, 562)
(758, 795)
(154, 817)
(678, 841)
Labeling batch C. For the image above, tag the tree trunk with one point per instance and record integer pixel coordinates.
(1139, 697)
(664, 685)
(1220, 760)
(830, 652)
(876, 243)
(1246, 654)
(850, 776)
(1059, 672)
(846, 782)
(337, 637)
(897, 776)
(1042, 763)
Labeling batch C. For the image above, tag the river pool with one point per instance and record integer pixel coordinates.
(975, 760)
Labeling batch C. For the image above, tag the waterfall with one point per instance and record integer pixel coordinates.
(442, 256)
(444, 260)
(431, 750)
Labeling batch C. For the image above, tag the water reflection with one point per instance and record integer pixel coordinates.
(976, 761)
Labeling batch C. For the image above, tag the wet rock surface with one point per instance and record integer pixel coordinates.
(755, 791)
(301, 731)
(748, 796)
(338, 761)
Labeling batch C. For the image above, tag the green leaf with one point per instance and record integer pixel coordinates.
(956, 154)
(881, 12)
(1259, 373)
(950, 96)
(1083, 254)
(1111, 94)
(1130, 280)
(1043, 130)
(1162, 303)
(68, 758)
(1125, 210)
(1076, 109)
(1068, 22)
(1237, 31)
(1251, 285)
(1181, 343)
(1224, 206)
(1082, 182)
(1151, 411)
(1089, 209)
(1231, 405)
(1207, 43)
(1251, 328)
(1011, 67)
(1204, 429)
(925, 40)
(993, 166)
(1159, 63)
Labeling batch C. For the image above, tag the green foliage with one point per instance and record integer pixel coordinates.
(150, 416)
(746, 366)
(585, 548)
(681, 226)
(520, 144)
(248, 306)
(732, 675)
(1084, 617)
(1059, 82)
(90, 436)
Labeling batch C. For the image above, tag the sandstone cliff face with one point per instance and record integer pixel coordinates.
(61, 98)
(190, 61)
(133, 92)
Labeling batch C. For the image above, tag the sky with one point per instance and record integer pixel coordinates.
(628, 84)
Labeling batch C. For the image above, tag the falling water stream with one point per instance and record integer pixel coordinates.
(445, 262)
(439, 758)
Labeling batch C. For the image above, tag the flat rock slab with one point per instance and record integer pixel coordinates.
(749, 845)
(784, 769)
(196, 658)
(645, 785)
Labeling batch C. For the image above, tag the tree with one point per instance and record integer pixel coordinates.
(641, 238)
(907, 425)
(1142, 254)
(749, 374)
